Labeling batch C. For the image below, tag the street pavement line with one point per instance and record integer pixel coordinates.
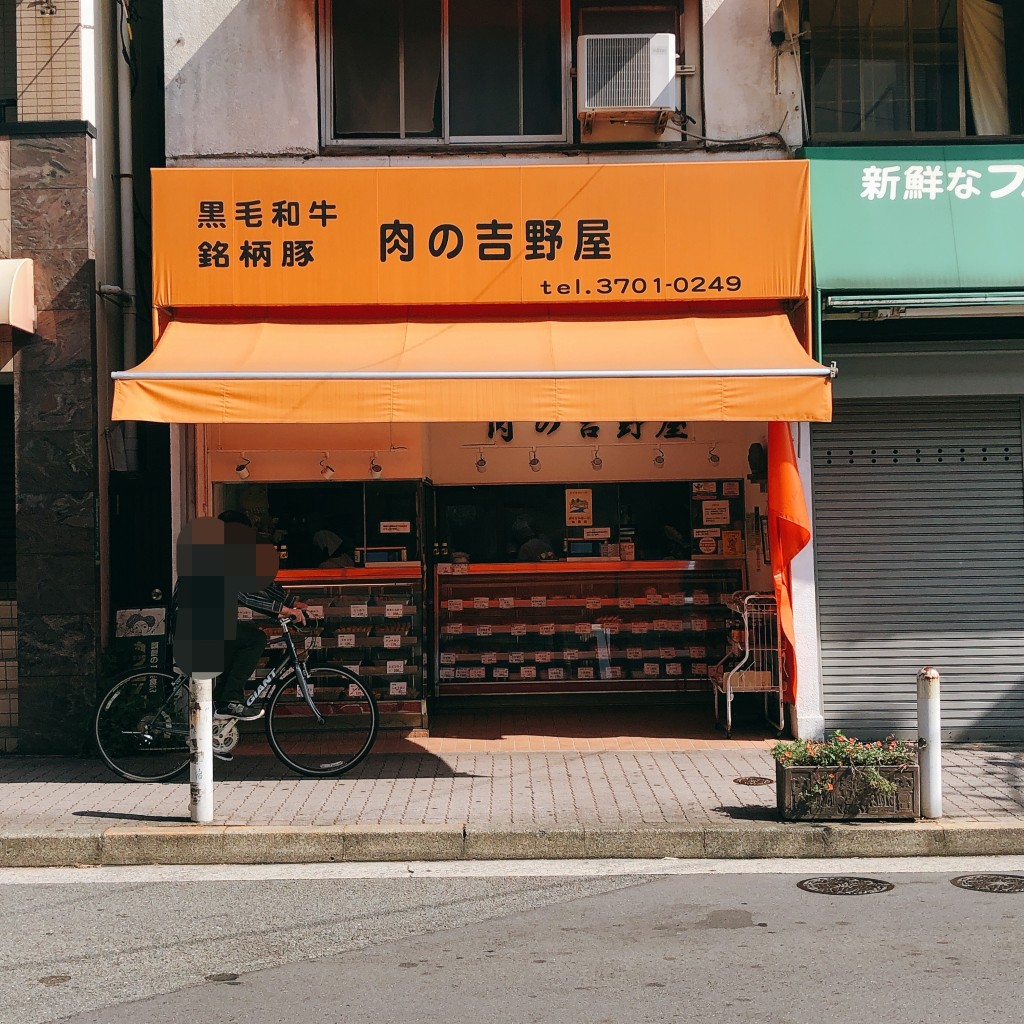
(873, 866)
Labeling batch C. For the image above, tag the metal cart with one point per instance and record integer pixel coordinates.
(751, 663)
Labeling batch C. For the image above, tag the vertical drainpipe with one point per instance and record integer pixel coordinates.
(126, 189)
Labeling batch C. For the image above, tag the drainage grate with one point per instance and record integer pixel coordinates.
(990, 883)
(844, 885)
(754, 780)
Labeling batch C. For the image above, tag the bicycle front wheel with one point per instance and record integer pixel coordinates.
(141, 726)
(334, 745)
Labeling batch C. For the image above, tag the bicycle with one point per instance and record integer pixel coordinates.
(320, 721)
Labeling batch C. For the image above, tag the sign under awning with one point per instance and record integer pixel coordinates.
(713, 368)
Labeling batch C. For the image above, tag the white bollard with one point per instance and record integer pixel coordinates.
(929, 743)
(200, 744)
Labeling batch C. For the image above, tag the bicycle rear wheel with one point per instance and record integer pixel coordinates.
(338, 743)
(141, 726)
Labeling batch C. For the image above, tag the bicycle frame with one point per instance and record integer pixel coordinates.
(289, 659)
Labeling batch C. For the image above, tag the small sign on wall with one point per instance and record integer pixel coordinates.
(396, 527)
(579, 506)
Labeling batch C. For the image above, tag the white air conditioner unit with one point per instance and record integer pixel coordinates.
(631, 79)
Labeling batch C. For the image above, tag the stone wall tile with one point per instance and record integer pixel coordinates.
(60, 161)
(5, 164)
(54, 400)
(61, 584)
(64, 278)
(56, 461)
(55, 525)
(55, 716)
(63, 341)
(54, 645)
(50, 218)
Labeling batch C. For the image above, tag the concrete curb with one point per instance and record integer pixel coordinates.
(257, 844)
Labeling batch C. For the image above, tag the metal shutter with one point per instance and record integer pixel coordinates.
(919, 548)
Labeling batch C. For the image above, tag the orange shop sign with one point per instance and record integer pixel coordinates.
(647, 233)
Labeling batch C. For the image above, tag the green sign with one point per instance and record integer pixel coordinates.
(907, 218)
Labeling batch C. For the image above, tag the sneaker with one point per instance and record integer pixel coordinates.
(235, 709)
(223, 756)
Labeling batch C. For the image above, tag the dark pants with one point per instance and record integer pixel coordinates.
(243, 654)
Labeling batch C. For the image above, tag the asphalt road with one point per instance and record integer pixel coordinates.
(517, 942)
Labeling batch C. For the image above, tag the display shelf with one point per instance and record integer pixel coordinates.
(545, 626)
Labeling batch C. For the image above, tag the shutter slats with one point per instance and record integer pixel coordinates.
(919, 551)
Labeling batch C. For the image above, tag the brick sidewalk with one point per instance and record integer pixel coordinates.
(601, 790)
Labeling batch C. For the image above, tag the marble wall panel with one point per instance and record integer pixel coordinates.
(64, 278)
(54, 400)
(61, 161)
(55, 716)
(63, 341)
(58, 461)
(61, 584)
(56, 524)
(55, 645)
(50, 218)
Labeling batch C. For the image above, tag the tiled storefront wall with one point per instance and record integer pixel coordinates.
(8, 669)
(56, 450)
(49, 45)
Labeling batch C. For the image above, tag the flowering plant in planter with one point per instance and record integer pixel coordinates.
(843, 779)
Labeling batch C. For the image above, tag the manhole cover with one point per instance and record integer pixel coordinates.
(754, 780)
(990, 883)
(842, 885)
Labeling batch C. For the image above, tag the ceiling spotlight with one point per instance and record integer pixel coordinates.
(534, 461)
(481, 463)
(713, 457)
(326, 470)
(242, 469)
(375, 467)
(597, 462)
(659, 459)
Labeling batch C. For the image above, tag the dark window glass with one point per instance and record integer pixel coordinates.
(542, 68)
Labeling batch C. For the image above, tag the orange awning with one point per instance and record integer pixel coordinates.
(725, 367)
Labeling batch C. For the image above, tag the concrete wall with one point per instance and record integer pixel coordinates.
(263, 54)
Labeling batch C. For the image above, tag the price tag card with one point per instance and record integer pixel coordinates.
(585, 672)
(627, 602)
(583, 629)
(547, 629)
(395, 668)
(698, 652)
(315, 611)
(528, 672)
(634, 653)
(447, 673)
(638, 627)
(447, 659)
(701, 597)
(673, 668)
(556, 673)
(516, 657)
(666, 652)
(506, 602)
(571, 654)
(452, 628)
(462, 673)
(593, 603)
(612, 628)
(654, 599)
(490, 658)
(444, 569)
(393, 611)
(700, 668)
(674, 625)
(501, 673)
(538, 602)
(355, 691)
(700, 623)
(392, 641)
(346, 639)
(244, 614)
(677, 599)
(460, 569)
(481, 602)
(398, 688)
(478, 673)
(652, 668)
(518, 629)
(454, 604)
(542, 657)
(614, 671)
(359, 611)
(662, 625)
(484, 630)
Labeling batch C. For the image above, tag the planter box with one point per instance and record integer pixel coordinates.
(851, 799)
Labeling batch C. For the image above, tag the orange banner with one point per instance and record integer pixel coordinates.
(651, 233)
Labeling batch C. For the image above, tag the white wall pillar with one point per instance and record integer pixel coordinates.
(808, 712)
